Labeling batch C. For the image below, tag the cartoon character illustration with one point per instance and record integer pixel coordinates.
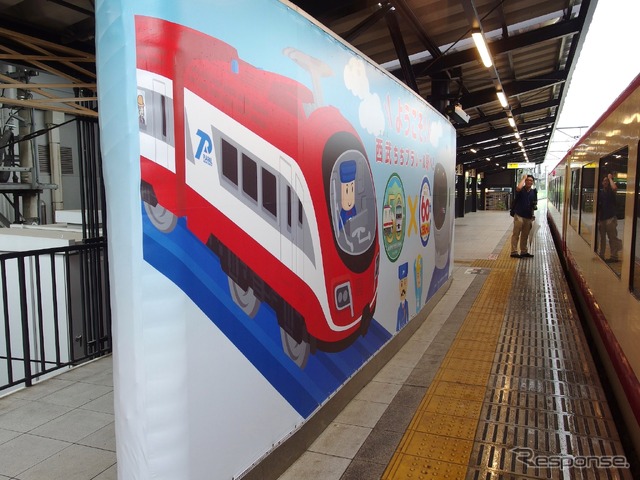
(403, 308)
(417, 275)
(347, 191)
(443, 226)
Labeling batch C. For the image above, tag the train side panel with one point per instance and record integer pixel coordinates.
(608, 282)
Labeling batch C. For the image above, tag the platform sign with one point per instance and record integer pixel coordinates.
(276, 204)
(515, 165)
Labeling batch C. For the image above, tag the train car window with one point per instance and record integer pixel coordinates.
(229, 162)
(249, 177)
(612, 189)
(269, 192)
(587, 196)
(163, 106)
(289, 206)
(574, 211)
(300, 215)
(352, 200)
(143, 119)
(635, 240)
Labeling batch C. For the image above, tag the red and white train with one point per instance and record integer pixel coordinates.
(254, 163)
(594, 213)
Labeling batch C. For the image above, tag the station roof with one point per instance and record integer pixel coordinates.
(426, 44)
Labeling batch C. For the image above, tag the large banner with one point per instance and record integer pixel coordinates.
(279, 208)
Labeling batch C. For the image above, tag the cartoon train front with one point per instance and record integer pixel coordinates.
(280, 189)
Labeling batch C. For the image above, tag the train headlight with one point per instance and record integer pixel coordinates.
(342, 295)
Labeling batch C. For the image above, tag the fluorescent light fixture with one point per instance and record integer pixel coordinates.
(474, 150)
(518, 135)
(481, 45)
(520, 143)
(503, 98)
(512, 122)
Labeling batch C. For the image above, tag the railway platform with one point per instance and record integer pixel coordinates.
(497, 383)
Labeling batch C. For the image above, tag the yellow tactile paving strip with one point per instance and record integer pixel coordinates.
(439, 439)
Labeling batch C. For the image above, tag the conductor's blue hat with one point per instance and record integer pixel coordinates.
(403, 270)
(348, 171)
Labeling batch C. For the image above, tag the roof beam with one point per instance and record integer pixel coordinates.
(401, 50)
(516, 87)
(434, 65)
(367, 23)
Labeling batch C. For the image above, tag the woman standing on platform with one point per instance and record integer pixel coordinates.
(522, 211)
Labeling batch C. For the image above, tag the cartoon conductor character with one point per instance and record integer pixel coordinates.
(417, 276)
(347, 191)
(403, 309)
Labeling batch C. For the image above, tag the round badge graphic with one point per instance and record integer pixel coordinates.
(425, 211)
(394, 213)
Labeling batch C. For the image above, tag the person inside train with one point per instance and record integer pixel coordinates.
(524, 205)
(347, 191)
(608, 219)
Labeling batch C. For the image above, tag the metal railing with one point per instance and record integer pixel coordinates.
(55, 311)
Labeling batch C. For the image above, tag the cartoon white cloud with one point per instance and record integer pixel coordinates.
(355, 78)
(371, 114)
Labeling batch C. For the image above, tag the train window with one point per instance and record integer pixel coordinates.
(587, 196)
(612, 189)
(229, 161)
(352, 204)
(300, 213)
(289, 206)
(163, 106)
(269, 192)
(574, 211)
(635, 241)
(249, 177)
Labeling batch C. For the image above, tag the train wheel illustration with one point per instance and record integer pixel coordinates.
(244, 298)
(296, 342)
(296, 351)
(161, 218)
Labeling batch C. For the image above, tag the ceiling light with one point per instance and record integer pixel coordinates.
(473, 150)
(503, 98)
(512, 122)
(518, 135)
(481, 45)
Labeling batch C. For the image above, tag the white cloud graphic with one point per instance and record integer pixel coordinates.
(370, 112)
(355, 78)
(371, 115)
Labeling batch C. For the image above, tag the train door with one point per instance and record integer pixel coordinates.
(291, 221)
(161, 126)
(298, 221)
(287, 228)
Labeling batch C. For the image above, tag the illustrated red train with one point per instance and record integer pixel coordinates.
(260, 168)
(594, 213)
